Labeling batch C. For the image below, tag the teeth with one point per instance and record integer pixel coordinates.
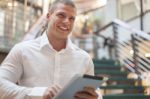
(64, 28)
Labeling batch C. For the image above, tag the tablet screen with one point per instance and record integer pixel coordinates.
(77, 84)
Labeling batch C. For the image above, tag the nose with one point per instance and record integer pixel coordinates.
(67, 21)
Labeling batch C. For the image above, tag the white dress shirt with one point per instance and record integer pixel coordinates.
(35, 65)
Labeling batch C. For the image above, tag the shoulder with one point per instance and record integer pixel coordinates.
(24, 45)
(81, 52)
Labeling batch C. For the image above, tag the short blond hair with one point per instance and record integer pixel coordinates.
(65, 2)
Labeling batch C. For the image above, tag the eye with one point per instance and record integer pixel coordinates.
(72, 19)
(61, 15)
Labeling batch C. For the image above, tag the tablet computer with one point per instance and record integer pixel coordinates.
(77, 83)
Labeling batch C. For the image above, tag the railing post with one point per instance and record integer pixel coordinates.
(135, 51)
(95, 46)
(141, 15)
(115, 41)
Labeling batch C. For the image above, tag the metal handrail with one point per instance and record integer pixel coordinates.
(146, 64)
(123, 55)
(140, 38)
(37, 29)
(129, 28)
(142, 65)
(140, 55)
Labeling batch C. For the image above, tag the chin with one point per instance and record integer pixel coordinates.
(65, 34)
(65, 37)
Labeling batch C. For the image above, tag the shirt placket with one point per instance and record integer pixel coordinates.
(56, 68)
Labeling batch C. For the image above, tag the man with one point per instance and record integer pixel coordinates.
(47, 62)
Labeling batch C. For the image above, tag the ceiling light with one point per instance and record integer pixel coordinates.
(10, 4)
(102, 2)
(147, 55)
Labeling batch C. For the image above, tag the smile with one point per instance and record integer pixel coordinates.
(63, 28)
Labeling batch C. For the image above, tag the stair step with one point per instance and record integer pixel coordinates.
(127, 96)
(126, 89)
(104, 62)
(123, 81)
(115, 72)
(108, 67)
(122, 87)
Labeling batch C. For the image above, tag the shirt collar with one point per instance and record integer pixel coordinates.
(45, 42)
(70, 45)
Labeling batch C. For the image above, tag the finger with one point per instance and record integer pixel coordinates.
(76, 97)
(47, 95)
(54, 90)
(51, 94)
(58, 87)
(84, 95)
(90, 90)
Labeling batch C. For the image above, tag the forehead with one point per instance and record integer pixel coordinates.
(66, 9)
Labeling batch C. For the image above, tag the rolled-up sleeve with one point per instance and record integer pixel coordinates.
(10, 72)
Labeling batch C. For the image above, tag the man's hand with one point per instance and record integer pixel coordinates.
(86, 93)
(51, 92)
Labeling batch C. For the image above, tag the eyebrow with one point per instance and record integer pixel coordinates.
(65, 14)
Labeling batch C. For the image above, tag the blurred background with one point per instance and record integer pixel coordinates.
(116, 33)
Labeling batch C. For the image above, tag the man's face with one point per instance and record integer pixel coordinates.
(61, 21)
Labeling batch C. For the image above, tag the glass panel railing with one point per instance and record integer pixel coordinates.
(16, 18)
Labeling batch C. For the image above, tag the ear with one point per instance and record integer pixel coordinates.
(48, 15)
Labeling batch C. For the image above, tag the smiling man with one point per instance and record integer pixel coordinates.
(47, 63)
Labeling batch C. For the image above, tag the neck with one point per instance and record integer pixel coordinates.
(57, 44)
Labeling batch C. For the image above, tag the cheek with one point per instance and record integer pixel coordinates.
(56, 22)
(50, 25)
(53, 23)
(72, 25)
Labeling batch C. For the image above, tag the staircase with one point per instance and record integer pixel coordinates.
(118, 86)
